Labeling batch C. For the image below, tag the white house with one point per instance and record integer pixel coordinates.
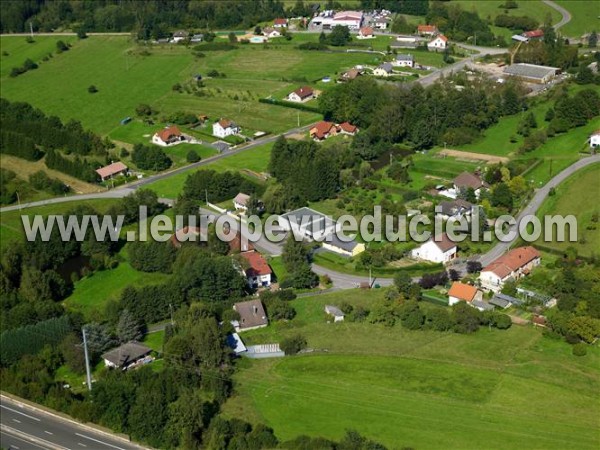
(337, 313)
(308, 223)
(271, 32)
(440, 42)
(595, 139)
(510, 266)
(460, 292)
(427, 30)
(240, 202)
(252, 316)
(302, 94)
(179, 36)
(381, 23)
(454, 209)
(224, 128)
(280, 23)
(404, 61)
(168, 136)
(438, 250)
(257, 271)
(383, 70)
(365, 33)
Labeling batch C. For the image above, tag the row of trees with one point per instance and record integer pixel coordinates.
(216, 186)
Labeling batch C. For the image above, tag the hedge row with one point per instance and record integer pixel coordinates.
(300, 106)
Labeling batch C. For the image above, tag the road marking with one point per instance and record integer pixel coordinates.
(96, 440)
(83, 445)
(16, 420)
(31, 440)
(19, 412)
(47, 432)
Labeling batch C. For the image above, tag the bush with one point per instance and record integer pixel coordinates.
(192, 156)
(292, 345)
(579, 349)
(92, 89)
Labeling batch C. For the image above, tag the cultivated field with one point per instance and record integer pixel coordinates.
(493, 389)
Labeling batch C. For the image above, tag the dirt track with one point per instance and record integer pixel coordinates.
(490, 159)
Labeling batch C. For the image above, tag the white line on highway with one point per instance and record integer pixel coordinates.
(83, 445)
(96, 440)
(19, 412)
(47, 432)
(16, 420)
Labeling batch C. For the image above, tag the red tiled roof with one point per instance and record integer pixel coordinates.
(512, 261)
(185, 235)
(166, 133)
(534, 34)
(304, 91)
(111, 169)
(426, 28)
(443, 38)
(280, 22)
(348, 127)
(469, 180)
(257, 264)
(225, 123)
(366, 31)
(321, 129)
(462, 291)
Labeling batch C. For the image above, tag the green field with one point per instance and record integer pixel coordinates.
(578, 195)
(256, 159)
(584, 17)
(535, 9)
(421, 389)
(16, 50)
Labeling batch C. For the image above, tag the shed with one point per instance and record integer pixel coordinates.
(337, 313)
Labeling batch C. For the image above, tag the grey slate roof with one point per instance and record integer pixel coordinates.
(386, 66)
(333, 240)
(530, 70)
(404, 58)
(334, 311)
(499, 302)
(482, 305)
(315, 221)
(126, 354)
(252, 314)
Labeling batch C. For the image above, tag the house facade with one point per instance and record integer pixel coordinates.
(404, 61)
(427, 30)
(258, 272)
(302, 94)
(383, 70)
(436, 250)
(322, 130)
(365, 33)
(513, 265)
(240, 202)
(440, 42)
(224, 128)
(461, 292)
(280, 23)
(334, 244)
(595, 139)
(271, 32)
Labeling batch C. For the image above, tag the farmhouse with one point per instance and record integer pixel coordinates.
(322, 130)
(302, 94)
(240, 202)
(308, 223)
(271, 32)
(179, 36)
(510, 266)
(438, 250)
(595, 139)
(532, 73)
(468, 180)
(460, 292)
(365, 33)
(280, 23)
(114, 169)
(252, 316)
(347, 128)
(404, 61)
(383, 70)
(337, 313)
(127, 356)
(381, 23)
(427, 30)
(533, 35)
(168, 136)
(257, 270)
(454, 209)
(334, 244)
(225, 127)
(440, 42)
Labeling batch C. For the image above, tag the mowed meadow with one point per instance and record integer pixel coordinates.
(127, 74)
(420, 389)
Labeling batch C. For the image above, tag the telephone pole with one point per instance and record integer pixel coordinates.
(31, 29)
(87, 361)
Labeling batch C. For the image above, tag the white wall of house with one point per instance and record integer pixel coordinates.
(403, 63)
(293, 97)
(379, 72)
(429, 251)
(437, 44)
(221, 132)
(259, 281)
(595, 140)
(158, 141)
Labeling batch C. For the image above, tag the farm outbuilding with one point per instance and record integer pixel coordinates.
(532, 73)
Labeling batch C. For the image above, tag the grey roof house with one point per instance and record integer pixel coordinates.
(252, 315)
(127, 355)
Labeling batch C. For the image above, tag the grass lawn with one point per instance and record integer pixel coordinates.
(535, 9)
(11, 225)
(578, 195)
(420, 389)
(17, 50)
(155, 340)
(92, 293)
(256, 159)
(584, 17)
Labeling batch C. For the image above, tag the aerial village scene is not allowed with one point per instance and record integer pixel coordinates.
(291, 224)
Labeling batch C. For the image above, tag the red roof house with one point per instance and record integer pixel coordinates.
(322, 130)
(348, 128)
(427, 29)
(111, 170)
(167, 135)
(258, 273)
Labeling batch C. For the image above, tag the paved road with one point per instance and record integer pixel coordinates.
(24, 426)
(566, 15)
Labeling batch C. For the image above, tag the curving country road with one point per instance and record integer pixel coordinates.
(566, 15)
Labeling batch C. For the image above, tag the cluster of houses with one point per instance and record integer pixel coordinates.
(324, 129)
